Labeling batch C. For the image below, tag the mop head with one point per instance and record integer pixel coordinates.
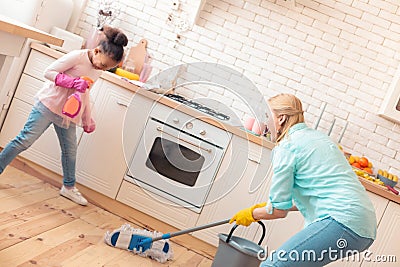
(129, 238)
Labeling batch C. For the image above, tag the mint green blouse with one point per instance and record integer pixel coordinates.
(311, 172)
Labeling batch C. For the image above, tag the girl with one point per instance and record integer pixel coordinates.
(311, 174)
(67, 75)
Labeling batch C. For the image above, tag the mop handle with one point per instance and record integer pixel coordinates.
(189, 230)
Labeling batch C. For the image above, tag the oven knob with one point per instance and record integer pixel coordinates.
(176, 120)
(203, 132)
(189, 125)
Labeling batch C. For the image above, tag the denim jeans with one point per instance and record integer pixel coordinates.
(318, 244)
(35, 126)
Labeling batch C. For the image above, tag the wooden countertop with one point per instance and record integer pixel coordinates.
(15, 27)
(380, 190)
(111, 77)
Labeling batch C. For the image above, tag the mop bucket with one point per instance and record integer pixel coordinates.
(234, 251)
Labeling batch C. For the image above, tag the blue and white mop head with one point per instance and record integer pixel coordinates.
(129, 238)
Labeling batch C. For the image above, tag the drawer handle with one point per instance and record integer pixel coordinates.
(119, 102)
(254, 160)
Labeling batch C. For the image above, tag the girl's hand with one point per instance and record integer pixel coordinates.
(66, 81)
(90, 127)
(89, 81)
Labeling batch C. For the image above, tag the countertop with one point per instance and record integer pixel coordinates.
(111, 77)
(15, 27)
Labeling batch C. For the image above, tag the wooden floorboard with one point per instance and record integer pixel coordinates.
(38, 227)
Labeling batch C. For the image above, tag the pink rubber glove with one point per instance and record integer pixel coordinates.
(69, 82)
(90, 127)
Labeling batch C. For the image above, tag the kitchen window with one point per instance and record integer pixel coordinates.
(390, 108)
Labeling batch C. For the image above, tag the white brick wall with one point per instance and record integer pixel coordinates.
(341, 52)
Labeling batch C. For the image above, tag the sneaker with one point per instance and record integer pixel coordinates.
(74, 195)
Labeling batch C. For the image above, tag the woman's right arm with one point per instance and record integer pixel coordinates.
(262, 214)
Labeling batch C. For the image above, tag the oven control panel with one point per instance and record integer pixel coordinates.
(190, 124)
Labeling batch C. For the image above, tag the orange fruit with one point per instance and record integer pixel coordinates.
(351, 159)
(363, 162)
(356, 164)
(368, 170)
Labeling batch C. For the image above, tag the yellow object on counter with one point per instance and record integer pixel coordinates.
(127, 74)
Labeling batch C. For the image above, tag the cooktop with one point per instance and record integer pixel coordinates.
(198, 106)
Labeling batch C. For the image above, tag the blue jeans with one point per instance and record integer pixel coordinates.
(318, 244)
(35, 126)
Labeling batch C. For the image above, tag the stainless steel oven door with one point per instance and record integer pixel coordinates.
(174, 164)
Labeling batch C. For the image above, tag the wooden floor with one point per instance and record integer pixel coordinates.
(38, 227)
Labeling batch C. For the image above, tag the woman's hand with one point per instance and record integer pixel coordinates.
(245, 216)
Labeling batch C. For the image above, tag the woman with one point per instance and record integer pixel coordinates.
(311, 175)
(66, 75)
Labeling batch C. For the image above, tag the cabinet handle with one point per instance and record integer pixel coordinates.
(254, 160)
(119, 102)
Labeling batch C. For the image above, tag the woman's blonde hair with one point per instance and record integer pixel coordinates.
(289, 105)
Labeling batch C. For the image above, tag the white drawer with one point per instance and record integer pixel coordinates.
(27, 88)
(37, 63)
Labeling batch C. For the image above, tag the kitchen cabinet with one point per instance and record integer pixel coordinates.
(240, 183)
(103, 155)
(14, 34)
(46, 150)
(385, 250)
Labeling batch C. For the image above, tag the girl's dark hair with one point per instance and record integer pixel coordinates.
(113, 43)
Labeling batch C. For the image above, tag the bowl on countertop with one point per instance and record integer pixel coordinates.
(386, 181)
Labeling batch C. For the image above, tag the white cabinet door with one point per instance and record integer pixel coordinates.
(37, 63)
(27, 88)
(385, 251)
(45, 151)
(240, 183)
(102, 159)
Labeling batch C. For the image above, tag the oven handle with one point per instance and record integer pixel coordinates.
(193, 144)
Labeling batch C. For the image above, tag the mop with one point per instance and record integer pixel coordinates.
(151, 244)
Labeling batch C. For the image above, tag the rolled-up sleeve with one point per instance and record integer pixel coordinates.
(284, 164)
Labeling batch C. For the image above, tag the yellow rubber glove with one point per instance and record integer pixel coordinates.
(245, 216)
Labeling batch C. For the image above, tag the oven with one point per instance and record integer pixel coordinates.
(178, 157)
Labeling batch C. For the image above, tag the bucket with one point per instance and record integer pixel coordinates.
(234, 251)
